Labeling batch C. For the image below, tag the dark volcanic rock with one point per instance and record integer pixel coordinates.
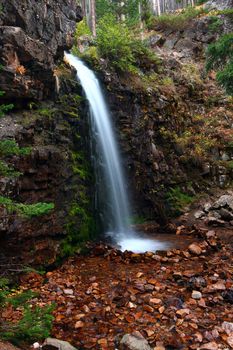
(34, 36)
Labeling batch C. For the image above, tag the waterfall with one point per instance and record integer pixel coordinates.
(113, 181)
(107, 144)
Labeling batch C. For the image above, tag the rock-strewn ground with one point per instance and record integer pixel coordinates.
(178, 299)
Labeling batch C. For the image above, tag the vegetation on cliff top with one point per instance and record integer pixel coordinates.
(220, 57)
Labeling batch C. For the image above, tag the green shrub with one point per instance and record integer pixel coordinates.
(201, 2)
(6, 170)
(36, 324)
(177, 199)
(4, 107)
(27, 210)
(220, 57)
(21, 298)
(123, 52)
(114, 43)
(82, 29)
(175, 21)
(10, 147)
(215, 23)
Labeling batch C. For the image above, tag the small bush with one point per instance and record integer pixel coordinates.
(8, 171)
(21, 298)
(122, 51)
(220, 57)
(36, 323)
(176, 21)
(27, 210)
(215, 23)
(114, 43)
(10, 147)
(177, 199)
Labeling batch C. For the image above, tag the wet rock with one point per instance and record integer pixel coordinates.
(227, 327)
(199, 214)
(196, 295)
(224, 201)
(134, 341)
(226, 214)
(230, 341)
(56, 344)
(197, 282)
(195, 249)
(228, 296)
(209, 346)
(7, 346)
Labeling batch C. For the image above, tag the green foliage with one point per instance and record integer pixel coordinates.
(114, 43)
(124, 53)
(80, 225)
(175, 21)
(177, 199)
(82, 29)
(4, 107)
(201, 2)
(21, 298)
(226, 12)
(4, 289)
(220, 57)
(10, 147)
(215, 23)
(26, 210)
(36, 324)
(8, 171)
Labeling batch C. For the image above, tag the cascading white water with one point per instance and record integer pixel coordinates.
(114, 177)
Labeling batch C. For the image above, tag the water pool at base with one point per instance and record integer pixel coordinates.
(153, 243)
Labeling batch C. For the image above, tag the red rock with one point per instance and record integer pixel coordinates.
(78, 324)
(195, 249)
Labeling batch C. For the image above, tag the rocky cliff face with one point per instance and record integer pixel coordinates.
(33, 37)
(43, 147)
(175, 126)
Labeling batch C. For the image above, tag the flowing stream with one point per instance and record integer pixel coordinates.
(112, 179)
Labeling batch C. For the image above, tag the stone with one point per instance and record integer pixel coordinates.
(225, 214)
(196, 295)
(219, 4)
(68, 291)
(209, 346)
(195, 249)
(230, 341)
(227, 327)
(8, 346)
(56, 344)
(134, 341)
(207, 207)
(199, 214)
(224, 201)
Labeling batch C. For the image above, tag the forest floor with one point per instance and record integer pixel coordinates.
(177, 299)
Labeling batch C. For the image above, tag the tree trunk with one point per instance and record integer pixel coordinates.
(158, 7)
(92, 17)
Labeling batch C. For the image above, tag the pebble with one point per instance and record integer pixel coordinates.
(194, 248)
(196, 295)
(227, 327)
(68, 291)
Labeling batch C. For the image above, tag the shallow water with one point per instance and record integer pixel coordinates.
(155, 242)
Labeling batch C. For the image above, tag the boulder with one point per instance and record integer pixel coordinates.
(56, 344)
(134, 341)
(219, 4)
